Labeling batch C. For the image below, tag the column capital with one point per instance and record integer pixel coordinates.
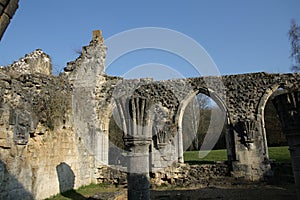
(137, 141)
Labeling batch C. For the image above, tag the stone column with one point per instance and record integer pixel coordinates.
(288, 109)
(138, 168)
(136, 124)
(250, 161)
(180, 146)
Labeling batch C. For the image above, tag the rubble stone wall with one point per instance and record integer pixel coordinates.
(40, 154)
(181, 175)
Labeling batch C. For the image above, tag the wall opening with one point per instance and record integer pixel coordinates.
(203, 129)
(276, 142)
(274, 134)
(275, 139)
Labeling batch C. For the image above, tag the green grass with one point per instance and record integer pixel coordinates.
(192, 157)
(84, 192)
(280, 154)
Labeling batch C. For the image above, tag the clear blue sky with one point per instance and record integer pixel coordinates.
(240, 36)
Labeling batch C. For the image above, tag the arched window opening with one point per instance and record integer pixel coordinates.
(203, 130)
(276, 140)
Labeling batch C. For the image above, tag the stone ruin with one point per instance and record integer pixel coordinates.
(54, 126)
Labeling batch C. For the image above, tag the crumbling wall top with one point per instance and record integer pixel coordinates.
(35, 62)
(89, 66)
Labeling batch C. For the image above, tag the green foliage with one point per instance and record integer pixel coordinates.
(280, 154)
(51, 105)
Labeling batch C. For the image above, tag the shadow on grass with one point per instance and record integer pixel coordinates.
(72, 194)
(66, 178)
(200, 162)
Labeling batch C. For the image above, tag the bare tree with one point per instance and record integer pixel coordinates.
(294, 37)
(196, 121)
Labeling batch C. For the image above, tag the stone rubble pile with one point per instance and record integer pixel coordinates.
(187, 175)
(181, 175)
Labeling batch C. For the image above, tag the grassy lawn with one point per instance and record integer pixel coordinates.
(84, 192)
(280, 154)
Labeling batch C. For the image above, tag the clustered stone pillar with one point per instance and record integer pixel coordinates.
(137, 128)
(288, 108)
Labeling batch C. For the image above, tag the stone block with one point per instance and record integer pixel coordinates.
(1, 9)
(4, 2)
(4, 144)
(4, 21)
(11, 8)
(97, 35)
(3, 135)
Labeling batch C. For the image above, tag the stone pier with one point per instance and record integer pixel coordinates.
(288, 108)
(134, 112)
(138, 168)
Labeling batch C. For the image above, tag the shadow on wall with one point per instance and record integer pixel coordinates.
(10, 187)
(66, 178)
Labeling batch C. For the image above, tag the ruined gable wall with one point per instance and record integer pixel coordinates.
(40, 154)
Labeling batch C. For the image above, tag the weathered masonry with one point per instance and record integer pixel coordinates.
(7, 11)
(55, 129)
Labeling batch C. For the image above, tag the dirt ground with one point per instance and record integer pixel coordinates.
(230, 188)
(228, 191)
(237, 192)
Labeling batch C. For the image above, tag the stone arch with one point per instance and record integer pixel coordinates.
(103, 140)
(261, 115)
(179, 118)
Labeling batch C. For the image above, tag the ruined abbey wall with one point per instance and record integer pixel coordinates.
(40, 154)
(54, 130)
